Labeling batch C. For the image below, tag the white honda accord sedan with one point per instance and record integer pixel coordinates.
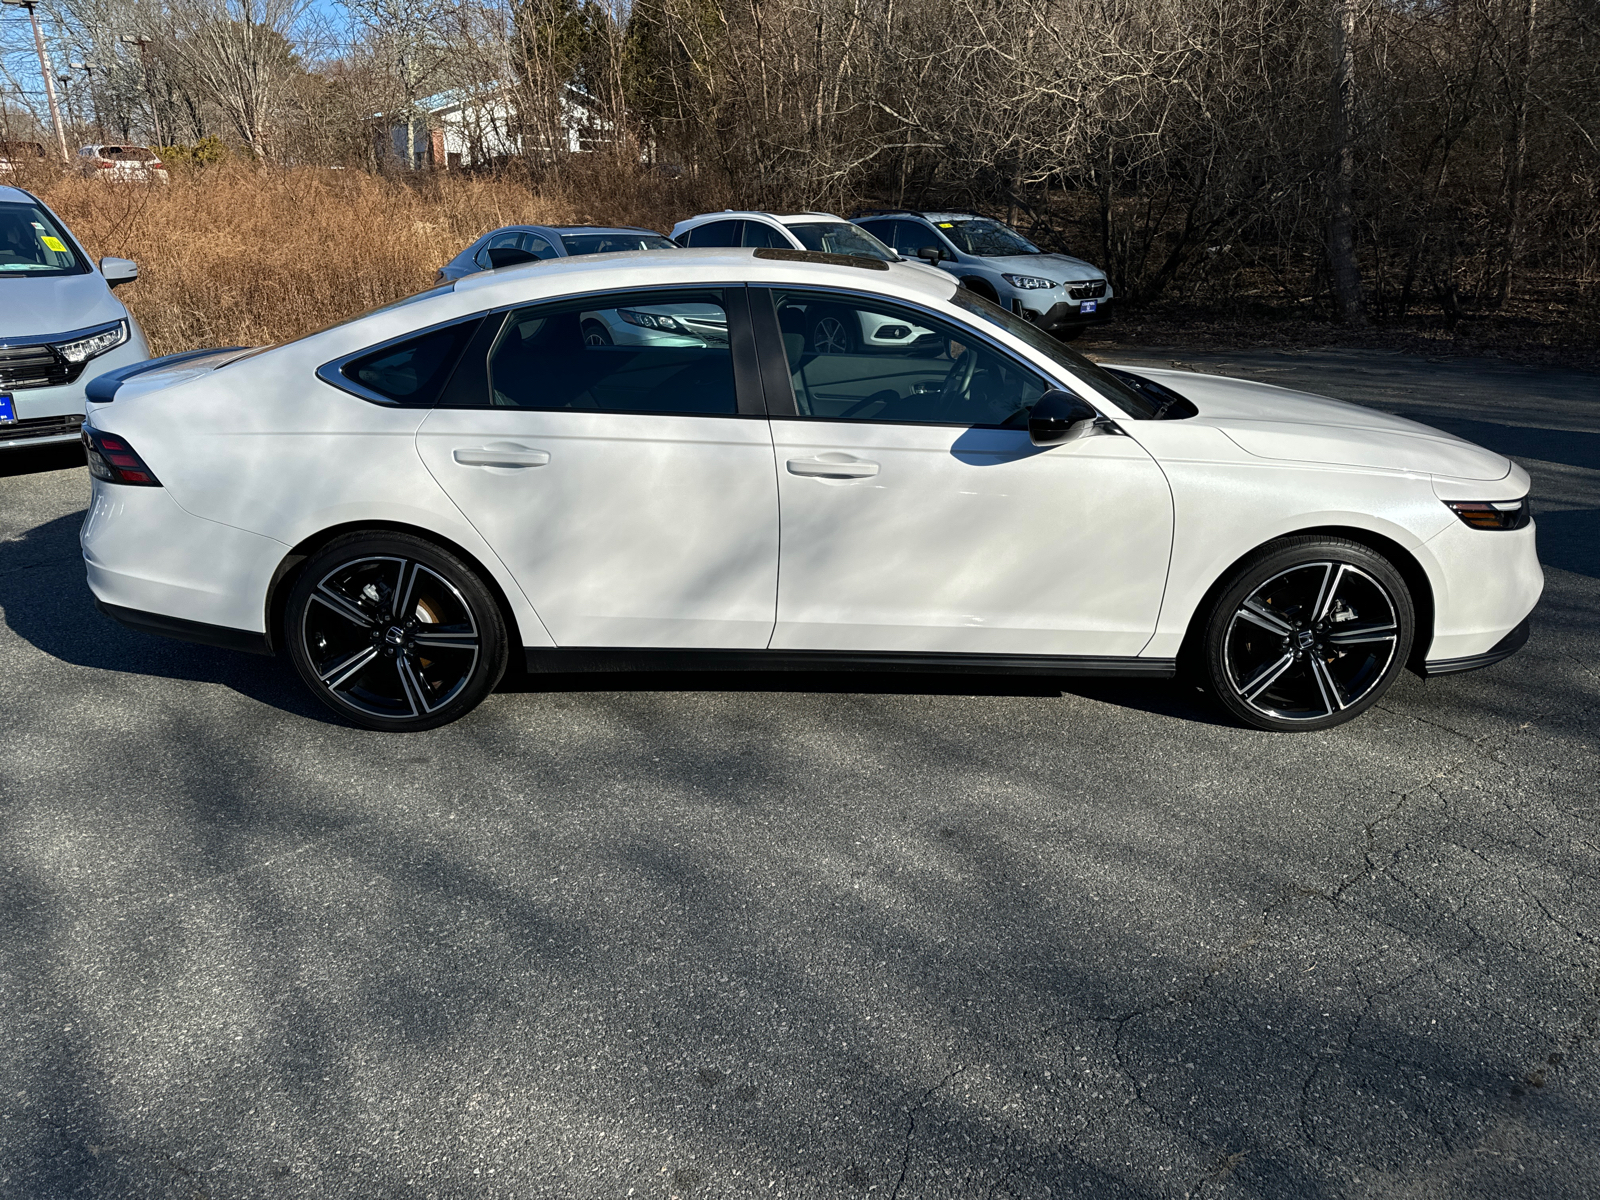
(401, 503)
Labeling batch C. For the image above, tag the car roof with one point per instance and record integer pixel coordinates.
(15, 195)
(710, 266)
(781, 218)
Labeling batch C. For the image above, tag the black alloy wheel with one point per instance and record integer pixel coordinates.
(393, 632)
(1307, 634)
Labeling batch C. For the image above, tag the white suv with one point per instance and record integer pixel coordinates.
(822, 232)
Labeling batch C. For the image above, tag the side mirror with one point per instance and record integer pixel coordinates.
(932, 255)
(1058, 417)
(118, 271)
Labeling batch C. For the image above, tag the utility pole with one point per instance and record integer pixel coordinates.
(144, 69)
(47, 72)
(89, 68)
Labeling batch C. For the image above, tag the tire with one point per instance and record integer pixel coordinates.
(595, 334)
(1306, 634)
(834, 332)
(386, 670)
(982, 288)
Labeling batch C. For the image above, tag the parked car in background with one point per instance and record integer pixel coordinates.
(122, 164)
(822, 232)
(513, 244)
(404, 503)
(14, 155)
(1060, 294)
(60, 326)
(822, 329)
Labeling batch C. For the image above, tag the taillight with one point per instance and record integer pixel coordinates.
(156, 166)
(1493, 514)
(113, 460)
(105, 166)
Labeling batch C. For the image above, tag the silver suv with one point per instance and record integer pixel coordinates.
(1061, 295)
(60, 326)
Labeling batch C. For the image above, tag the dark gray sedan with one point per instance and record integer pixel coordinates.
(514, 244)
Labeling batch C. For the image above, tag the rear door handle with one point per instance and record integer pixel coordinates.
(833, 465)
(500, 454)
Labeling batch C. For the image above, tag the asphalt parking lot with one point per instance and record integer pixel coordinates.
(823, 936)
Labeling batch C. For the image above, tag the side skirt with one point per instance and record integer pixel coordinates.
(584, 659)
(187, 631)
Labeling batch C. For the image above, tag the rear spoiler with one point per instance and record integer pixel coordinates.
(102, 389)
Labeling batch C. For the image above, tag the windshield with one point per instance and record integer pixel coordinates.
(133, 153)
(31, 243)
(841, 237)
(607, 243)
(986, 238)
(1133, 402)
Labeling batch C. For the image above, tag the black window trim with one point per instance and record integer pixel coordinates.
(332, 372)
(779, 384)
(472, 368)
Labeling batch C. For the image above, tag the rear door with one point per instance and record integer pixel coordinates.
(626, 479)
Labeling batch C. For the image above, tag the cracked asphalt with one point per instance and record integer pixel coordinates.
(831, 936)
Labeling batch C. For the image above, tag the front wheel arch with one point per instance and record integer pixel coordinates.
(283, 579)
(1403, 561)
(976, 283)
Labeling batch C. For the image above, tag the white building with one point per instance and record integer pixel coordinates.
(457, 129)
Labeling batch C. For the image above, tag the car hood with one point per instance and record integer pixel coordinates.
(1060, 267)
(1267, 421)
(34, 309)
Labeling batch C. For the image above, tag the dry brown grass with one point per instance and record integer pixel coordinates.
(231, 256)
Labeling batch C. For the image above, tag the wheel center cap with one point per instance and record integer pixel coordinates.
(395, 635)
(1304, 639)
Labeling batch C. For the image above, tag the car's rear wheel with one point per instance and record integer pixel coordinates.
(1307, 634)
(393, 632)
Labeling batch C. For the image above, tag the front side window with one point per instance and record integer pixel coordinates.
(1140, 404)
(414, 371)
(841, 237)
(611, 243)
(636, 352)
(856, 359)
(759, 234)
(986, 238)
(32, 244)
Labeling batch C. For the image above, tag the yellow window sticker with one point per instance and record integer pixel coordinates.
(947, 224)
(55, 244)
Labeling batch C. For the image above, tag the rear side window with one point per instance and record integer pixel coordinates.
(715, 233)
(412, 372)
(634, 352)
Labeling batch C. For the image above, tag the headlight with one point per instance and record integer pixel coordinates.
(1493, 514)
(647, 320)
(91, 345)
(1028, 283)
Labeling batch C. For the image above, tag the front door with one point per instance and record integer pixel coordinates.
(917, 516)
(602, 451)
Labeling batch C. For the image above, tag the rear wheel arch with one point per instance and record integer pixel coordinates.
(288, 571)
(1403, 561)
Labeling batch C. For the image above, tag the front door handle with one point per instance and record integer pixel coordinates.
(833, 465)
(500, 454)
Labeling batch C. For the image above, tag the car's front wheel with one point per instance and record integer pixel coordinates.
(1306, 634)
(393, 632)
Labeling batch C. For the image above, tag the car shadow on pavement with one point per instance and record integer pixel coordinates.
(47, 604)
